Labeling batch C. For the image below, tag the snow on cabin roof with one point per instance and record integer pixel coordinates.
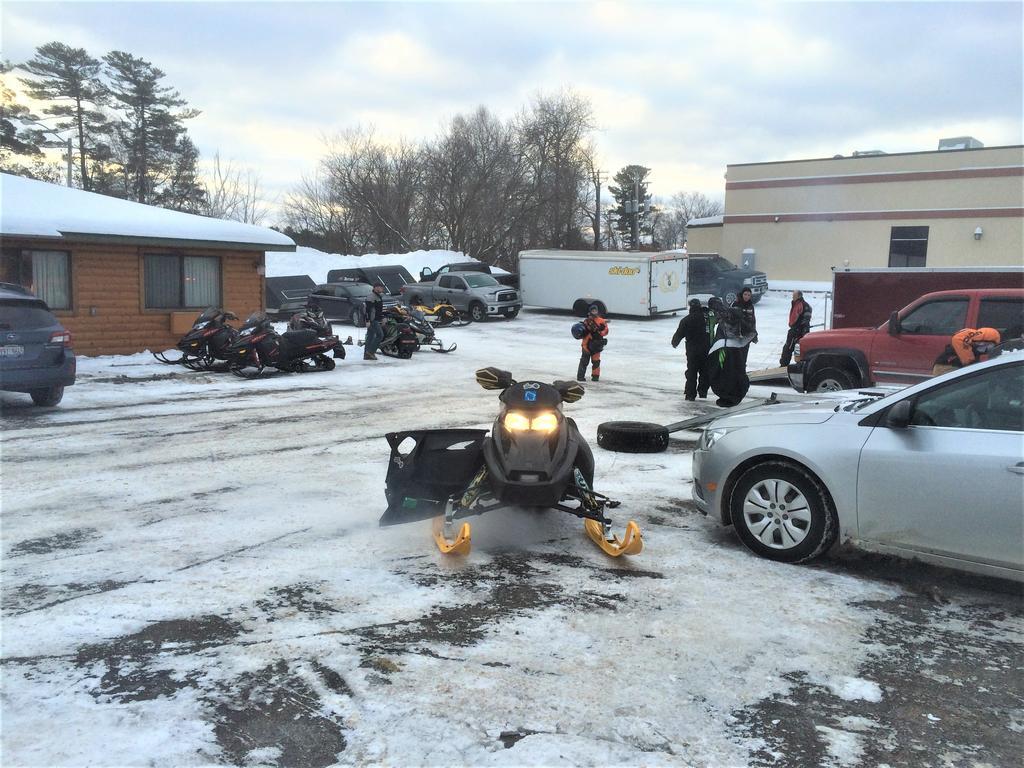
(33, 208)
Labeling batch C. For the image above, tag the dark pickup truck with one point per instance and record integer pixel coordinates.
(427, 274)
(711, 274)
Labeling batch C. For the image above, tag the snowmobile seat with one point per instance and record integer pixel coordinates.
(422, 476)
(301, 338)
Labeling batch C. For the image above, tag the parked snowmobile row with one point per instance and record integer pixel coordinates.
(533, 457)
(309, 344)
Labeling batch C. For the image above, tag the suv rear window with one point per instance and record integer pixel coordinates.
(25, 316)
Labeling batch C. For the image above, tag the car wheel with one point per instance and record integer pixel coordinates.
(49, 396)
(632, 437)
(782, 512)
(830, 380)
(477, 312)
(602, 310)
(356, 317)
(729, 298)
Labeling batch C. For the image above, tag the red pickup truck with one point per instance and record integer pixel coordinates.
(903, 349)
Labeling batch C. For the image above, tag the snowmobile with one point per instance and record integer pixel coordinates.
(400, 338)
(258, 345)
(206, 343)
(533, 457)
(421, 327)
(442, 315)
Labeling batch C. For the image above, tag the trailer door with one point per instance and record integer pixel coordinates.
(668, 285)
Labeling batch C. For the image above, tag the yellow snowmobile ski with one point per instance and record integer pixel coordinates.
(631, 544)
(462, 542)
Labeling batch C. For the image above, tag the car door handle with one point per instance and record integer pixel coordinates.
(1017, 469)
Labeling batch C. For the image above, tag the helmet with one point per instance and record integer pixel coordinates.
(579, 330)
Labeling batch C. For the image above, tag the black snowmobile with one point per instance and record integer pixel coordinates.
(297, 351)
(533, 457)
(423, 328)
(206, 343)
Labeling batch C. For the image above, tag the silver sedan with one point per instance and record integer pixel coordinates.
(935, 471)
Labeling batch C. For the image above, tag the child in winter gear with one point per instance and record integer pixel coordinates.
(799, 325)
(696, 328)
(593, 342)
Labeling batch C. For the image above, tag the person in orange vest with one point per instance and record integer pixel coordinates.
(970, 345)
(594, 340)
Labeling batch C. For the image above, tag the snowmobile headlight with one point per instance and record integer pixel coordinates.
(545, 422)
(516, 422)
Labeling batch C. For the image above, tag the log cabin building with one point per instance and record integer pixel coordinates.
(124, 277)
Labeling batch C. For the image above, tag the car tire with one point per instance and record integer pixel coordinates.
(356, 317)
(477, 312)
(782, 512)
(49, 396)
(729, 298)
(601, 308)
(632, 437)
(830, 380)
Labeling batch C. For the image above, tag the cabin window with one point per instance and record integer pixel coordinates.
(46, 273)
(182, 282)
(908, 246)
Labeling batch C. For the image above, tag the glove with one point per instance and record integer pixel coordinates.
(755, 339)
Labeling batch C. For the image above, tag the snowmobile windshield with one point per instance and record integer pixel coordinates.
(479, 281)
(255, 319)
(210, 313)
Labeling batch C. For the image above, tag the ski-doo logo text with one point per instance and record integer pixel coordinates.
(624, 271)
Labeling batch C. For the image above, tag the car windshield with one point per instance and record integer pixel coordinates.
(25, 316)
(479, 281)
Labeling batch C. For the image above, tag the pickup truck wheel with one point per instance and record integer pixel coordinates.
(632, 436)
(48, 396)
(579, 308)
(356, 318)
(477, 312)
(729, 298)
(782, 512)
(830, 380)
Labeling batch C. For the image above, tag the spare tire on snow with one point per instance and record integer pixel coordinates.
(632, 436)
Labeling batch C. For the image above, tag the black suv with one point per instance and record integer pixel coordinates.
(35, 349)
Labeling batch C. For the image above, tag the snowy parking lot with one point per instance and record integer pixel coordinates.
(193, 574)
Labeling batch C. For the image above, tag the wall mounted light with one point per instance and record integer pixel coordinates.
(778, 219)
(978, 232)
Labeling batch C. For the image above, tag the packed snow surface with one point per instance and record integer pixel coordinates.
(193, 574)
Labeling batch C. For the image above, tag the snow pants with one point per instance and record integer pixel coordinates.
(728, 375)
(696, 374)
(594, 361)
(792, 338)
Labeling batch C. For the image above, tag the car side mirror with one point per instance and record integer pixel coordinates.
(571, 391)
(493, 378)
(426, 273)
(894, 324)
(899, 415)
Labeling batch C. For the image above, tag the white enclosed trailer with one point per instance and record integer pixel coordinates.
(618, 282)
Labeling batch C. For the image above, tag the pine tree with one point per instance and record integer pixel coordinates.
(71, 75)
(631, 183)
(184, 191)
(150, 135)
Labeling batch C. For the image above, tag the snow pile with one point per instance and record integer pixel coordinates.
(316, 264)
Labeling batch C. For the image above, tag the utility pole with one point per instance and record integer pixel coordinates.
(599, 178)
(636, 213)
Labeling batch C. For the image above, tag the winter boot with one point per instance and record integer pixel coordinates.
(369, 356)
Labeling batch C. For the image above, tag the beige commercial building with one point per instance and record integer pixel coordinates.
(797, 219)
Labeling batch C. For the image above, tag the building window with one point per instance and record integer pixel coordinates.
(908, 246)
(46, 273)
(182, 282)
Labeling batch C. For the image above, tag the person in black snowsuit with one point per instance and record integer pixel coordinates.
(727, 368)
(748, 321)
(696, 328)
(374, 322)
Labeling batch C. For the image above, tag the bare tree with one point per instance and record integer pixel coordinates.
(670, 228)
(232, 194)
(316, 216)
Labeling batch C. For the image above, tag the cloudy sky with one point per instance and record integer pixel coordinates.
(684, 88)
